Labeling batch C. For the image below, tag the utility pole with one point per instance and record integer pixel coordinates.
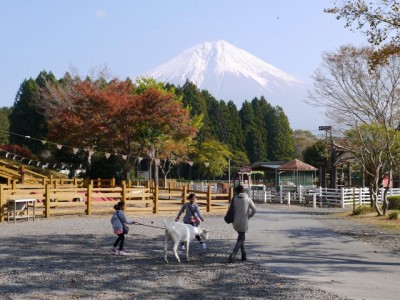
(332, 183)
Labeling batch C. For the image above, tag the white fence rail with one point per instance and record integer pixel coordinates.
(340, 197)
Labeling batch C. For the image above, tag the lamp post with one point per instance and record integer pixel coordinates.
(207, 165)
(190, 170)
(229, 173)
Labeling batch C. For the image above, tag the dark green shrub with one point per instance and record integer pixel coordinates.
(393, 215)
(394, 202)
(362, 210)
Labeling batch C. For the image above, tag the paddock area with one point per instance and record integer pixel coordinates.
(69, 257)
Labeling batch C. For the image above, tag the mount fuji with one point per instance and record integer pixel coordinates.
(230, 73)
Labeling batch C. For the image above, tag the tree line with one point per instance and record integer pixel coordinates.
(168, 126)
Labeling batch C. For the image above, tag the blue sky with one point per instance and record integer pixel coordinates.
(131, 37)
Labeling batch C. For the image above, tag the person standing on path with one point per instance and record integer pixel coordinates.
(119, 221)
(192, 216)
(244, 209)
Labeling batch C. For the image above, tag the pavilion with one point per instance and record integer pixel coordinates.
(292, 173)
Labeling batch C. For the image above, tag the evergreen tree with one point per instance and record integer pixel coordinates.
(261, 121)
(253, 140)
(316, 154)
(26, 118)
(4, 125)
(237, 140)
(281, 137)
(193, 98)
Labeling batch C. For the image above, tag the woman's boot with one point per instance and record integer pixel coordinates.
(231, 258)
(244, 256)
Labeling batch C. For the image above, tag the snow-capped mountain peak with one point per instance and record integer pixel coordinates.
(230, 73)
(216, 60)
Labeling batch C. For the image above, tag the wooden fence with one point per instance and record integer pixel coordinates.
(96, 198)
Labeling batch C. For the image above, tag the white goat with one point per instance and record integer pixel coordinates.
(179, 232)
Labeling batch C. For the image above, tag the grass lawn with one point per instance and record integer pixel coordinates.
(370, 217)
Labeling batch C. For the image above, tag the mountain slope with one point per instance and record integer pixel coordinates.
(230, 73)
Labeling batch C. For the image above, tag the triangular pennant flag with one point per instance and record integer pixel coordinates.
(59, 147)
(90, 152)
(108, 155)
(54, 166)
(75, 150)
(124, 156)
(7, 154)
(43, 142)
(38, 164)
(140, 158)
(29, 161)
(190, 163)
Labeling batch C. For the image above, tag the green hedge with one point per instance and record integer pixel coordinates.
(394, 202)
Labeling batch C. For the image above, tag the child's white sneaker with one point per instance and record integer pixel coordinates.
(114, 249)
(120, 252)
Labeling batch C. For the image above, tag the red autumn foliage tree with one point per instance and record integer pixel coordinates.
(116, 119)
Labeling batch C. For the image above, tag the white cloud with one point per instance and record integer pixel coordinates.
(101, 13)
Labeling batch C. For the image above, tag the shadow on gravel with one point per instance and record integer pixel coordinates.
(306, 247)
(82, 266)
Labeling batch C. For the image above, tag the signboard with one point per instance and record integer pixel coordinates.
(324, 127)
(246, 169)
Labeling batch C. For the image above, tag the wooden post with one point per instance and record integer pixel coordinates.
(184, 194)
(209, 198)
(169, 190)
(112, 183)
(123, 185)
(155, 199)
(22, 172)
(89, 198)
(47, 212)
(231, 193)
(3, 202)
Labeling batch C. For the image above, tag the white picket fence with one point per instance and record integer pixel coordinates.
(340, 197)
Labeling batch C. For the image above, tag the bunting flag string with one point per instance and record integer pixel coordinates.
(75, 150)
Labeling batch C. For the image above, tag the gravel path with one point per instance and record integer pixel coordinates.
(70, 258)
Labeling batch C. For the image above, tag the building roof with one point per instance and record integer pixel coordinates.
(267, 165)
(291, 165)
(297, 165)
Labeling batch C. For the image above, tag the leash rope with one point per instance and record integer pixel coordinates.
(137, 223)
